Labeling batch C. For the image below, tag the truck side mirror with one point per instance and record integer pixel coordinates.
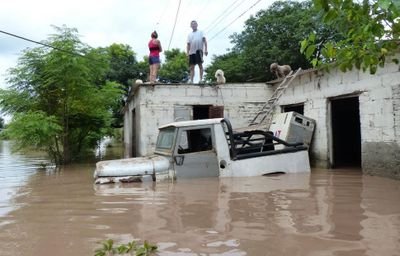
(179, 160)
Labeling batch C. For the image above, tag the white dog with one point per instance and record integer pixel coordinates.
(219, 74)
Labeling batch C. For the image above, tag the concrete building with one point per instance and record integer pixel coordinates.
(150, 106)
(357, 114)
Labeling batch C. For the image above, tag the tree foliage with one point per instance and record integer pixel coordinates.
(370, 31)
(143, 69)
(175, 68)
(272, 35)
(60, 96)
(36, 129)
(122, 68)
(123, 65)
(232, 65)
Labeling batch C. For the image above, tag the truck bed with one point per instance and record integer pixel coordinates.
(255, 143)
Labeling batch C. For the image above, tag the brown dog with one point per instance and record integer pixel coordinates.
(280, 71)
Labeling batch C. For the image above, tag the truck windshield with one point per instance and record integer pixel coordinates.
(165, 138)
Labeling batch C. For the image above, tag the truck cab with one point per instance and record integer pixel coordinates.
(191, 148)
(208, 148)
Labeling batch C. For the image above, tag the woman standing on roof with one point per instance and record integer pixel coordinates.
(154, 56)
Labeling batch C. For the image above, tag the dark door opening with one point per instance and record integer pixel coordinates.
(200, 112)
(346, 135)
(207, 111)
(296, 108)
(133, 139)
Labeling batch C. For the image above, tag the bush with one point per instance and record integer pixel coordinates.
(131, 248)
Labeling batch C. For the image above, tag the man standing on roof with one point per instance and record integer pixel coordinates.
(196, 43)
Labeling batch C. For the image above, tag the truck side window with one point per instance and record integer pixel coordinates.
(195, 141)
(183, 146)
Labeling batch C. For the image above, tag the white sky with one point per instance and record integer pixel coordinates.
(103, 22)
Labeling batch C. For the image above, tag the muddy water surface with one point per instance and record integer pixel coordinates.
(45, 212)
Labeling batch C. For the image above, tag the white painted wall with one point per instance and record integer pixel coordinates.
(379, 95)
(155, 106)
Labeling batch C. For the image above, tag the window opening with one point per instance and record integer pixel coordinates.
(196, 140)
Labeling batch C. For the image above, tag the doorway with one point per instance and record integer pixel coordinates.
(346, 134)
(200, 112)
(133, 138)
(207, 111)
(299, 108)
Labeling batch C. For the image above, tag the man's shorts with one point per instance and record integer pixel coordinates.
(154, 60)
(197, 58)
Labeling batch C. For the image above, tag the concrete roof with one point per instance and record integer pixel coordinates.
(192, 123)
(301, 72)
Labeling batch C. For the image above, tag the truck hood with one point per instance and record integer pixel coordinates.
(131, 166)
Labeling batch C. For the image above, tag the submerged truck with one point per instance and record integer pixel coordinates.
(208, 148)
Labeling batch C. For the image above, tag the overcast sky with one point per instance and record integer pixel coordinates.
(103, 22)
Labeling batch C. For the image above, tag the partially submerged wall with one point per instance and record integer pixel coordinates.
(381, 146)
(379, 106)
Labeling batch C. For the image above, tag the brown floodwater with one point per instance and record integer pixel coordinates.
(342, 212)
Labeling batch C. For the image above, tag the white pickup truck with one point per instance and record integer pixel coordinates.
(207, 148)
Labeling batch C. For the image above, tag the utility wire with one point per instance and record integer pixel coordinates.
(163, 13)
(234, 20)
(226, 16)
(46, 45)
(225, 13)
(176, 18)
(204, 6)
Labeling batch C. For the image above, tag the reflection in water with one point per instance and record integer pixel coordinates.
(10, 179)
(322, 213)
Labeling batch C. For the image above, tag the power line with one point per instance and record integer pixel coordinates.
(234, 20)
(163, 13)
(226, 16)
(173, 29)
(46, 45)
(205, 4)
(225, 13)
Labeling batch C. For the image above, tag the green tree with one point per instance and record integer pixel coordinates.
(370, 31)
(232, 65)
(175, 68)
(1, 122)
(122, 68)
(272, 35)
(59, 98)
(143, 69)
(123, 65)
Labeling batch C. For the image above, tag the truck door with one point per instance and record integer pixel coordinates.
(195, 154)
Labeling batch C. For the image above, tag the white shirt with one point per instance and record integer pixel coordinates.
(195, 39)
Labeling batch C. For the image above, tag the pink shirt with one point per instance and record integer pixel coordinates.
(154, 48)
